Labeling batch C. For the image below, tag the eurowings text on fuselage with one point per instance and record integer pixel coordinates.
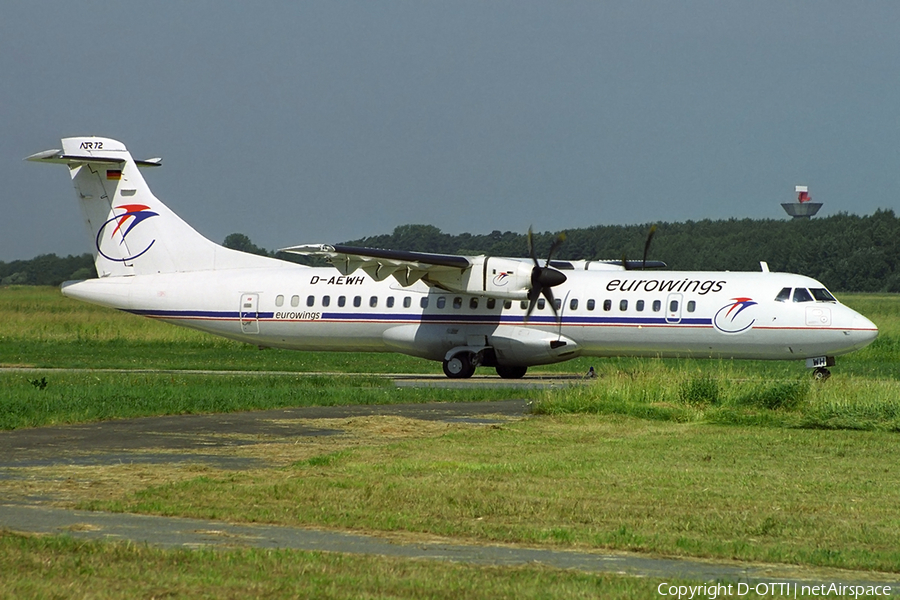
(461, 310)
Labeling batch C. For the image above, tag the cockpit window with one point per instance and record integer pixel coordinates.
(784, 295)
(822, 295)
(801, 295)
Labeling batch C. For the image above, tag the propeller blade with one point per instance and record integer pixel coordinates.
(533, 294)
(531, 248)
(548, 294)
(647, 246)
(556, 244)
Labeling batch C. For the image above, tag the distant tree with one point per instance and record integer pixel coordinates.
(47, 269)
(847, 253)
(239, 241)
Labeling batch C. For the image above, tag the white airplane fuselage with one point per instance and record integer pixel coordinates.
(305, 308)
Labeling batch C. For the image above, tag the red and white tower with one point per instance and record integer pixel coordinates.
(804, 207)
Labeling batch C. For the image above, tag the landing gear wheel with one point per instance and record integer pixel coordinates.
(821, 374)
(459, 366)
(511, 372)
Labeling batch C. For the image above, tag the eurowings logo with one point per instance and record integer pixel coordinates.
(732, 318)
(125, 222)
(502, 278)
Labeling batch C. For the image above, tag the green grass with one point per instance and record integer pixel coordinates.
(807, 497)
(660, 392)
(721, 459)
(60, 567)
(33, 400)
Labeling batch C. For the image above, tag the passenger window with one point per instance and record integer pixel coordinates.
(639, 306)
(279, 300)
(424, 302)
(523, 304)
(295, 301)
(657, 306)
(473, 303)
(801, 295)
(623, 305)
(541, 304)
(310, 300)
(784, 295)
(607, 305)
(342, 300)
(507, 304)
(822, 295)
(591, 304)
(357, 301)
(673, 306)
(573, 304)
(442, 302)
(457, 302)
(373, 301)
(691, 306)
(326, 300)
(407, 302)
(390, 302)
(558, 304)
(491, 303)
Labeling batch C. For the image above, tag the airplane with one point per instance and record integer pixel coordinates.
(463, 311)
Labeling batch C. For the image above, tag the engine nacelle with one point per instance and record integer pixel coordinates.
(505, 278)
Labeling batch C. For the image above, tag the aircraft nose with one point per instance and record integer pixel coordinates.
(864, 330)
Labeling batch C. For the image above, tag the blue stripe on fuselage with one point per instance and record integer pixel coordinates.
(583, 320)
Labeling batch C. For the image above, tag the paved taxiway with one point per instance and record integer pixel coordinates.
(399, 379)
(202, 438)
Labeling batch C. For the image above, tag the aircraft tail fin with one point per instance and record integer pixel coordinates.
(131, 231)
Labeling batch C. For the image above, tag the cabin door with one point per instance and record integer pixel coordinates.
(249, 313)
(673, 308)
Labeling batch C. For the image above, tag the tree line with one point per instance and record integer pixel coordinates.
(847, 253)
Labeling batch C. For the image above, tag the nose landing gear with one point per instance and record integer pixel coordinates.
(821, 374)
(820, 364)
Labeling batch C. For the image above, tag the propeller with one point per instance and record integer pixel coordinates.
(650, 235)
(543, 279)
(647, 245)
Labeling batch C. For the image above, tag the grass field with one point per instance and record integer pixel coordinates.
(50, 398)
(820, 498)
(63, 568)
(719, 459)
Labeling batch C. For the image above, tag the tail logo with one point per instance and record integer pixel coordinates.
(732, 318)
(125, 222)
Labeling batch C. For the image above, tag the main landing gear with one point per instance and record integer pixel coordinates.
(462, 365)
(511, 372)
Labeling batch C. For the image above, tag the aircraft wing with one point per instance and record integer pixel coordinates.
(379, 264)
(500, 277)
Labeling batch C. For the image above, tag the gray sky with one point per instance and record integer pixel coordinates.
(301, 122)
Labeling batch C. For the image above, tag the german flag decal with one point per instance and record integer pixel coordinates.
(114, 174)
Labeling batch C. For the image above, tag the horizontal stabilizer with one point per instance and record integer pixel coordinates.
(58, 156)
